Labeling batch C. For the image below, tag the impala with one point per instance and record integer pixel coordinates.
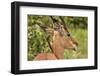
(61, 40)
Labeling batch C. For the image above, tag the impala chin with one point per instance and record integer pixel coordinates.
(74, 47)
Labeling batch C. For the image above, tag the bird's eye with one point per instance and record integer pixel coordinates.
(68, 34)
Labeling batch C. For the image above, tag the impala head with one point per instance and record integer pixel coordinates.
(64, 38)
(69, 42)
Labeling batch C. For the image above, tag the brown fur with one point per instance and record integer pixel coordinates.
(45, 56)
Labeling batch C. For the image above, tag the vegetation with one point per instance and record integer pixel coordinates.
(37, 37)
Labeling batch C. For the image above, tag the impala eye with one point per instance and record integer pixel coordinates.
(68, 34)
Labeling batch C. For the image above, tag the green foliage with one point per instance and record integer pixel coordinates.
(37, 41)
(76, 22)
